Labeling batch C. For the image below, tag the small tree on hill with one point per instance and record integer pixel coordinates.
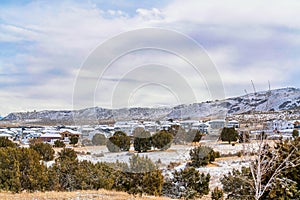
(162, 140)
(118, 142)
(201, 156)
(229, 134)
(142, 140)
(99, 139)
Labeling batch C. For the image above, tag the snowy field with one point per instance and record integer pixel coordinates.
(178, 154)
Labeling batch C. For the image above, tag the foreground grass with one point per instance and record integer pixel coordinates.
(86, 194)
(78, 195)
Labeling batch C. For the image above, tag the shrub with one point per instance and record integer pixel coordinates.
(73, 140)
(142, 140)
(67, 154)
(140, 177)
(229, 134)
(162, 140)
(20, 169)
(201, 156)
(238, 184)
(99, 139)
(118, 142)
(187, 183)
(217, 194)
(59, 143)
(295, 133)
(4, 142)
(44, 150)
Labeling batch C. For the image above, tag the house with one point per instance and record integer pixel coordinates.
(187, 124)
(297, 124)
(50, 137)
(233, 124)
(67, 133)
(202, 127)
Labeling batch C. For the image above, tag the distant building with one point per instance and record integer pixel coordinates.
(50, 137)
(202, 127)
(233, 124)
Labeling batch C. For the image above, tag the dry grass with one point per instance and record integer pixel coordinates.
(89, 194)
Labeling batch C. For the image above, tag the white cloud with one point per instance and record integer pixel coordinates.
(242, 38)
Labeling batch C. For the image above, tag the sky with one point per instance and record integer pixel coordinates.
(45, 47)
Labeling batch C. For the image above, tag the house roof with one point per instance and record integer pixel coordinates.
(50, 135)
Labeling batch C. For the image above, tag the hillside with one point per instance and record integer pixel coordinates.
(274, 100)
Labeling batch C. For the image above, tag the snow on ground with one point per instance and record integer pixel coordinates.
(176, 154)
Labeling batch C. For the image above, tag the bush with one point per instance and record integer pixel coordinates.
(229, 134)
(99, 139)
(217, 194)
(162, 140)
(73, 140)
(45, 151)
(67, 154)
(4, 142)
(59, 143)
(140, 177)
(118, 142)
(20, 169)
(238, 184)
(201, 156)
(142, 140)
(187, 183)
(295, 133)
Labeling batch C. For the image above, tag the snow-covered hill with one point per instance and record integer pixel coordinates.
(274, 100)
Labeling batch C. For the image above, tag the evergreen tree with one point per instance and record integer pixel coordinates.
(162, 140)
(229, 134)
(187, 183)
(118, 142)
(201, 156)
(4, 142)
(44, 150)
(59, 143)
(142, 140)
(140, 177)
(73, 140)
(295, 133)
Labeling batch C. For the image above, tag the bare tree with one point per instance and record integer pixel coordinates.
(265, 157)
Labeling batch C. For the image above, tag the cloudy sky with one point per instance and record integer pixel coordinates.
(44, 46)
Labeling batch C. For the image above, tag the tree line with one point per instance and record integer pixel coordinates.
(143, 141)
(25, 169)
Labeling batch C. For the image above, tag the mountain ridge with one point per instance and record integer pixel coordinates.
(273, 100)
